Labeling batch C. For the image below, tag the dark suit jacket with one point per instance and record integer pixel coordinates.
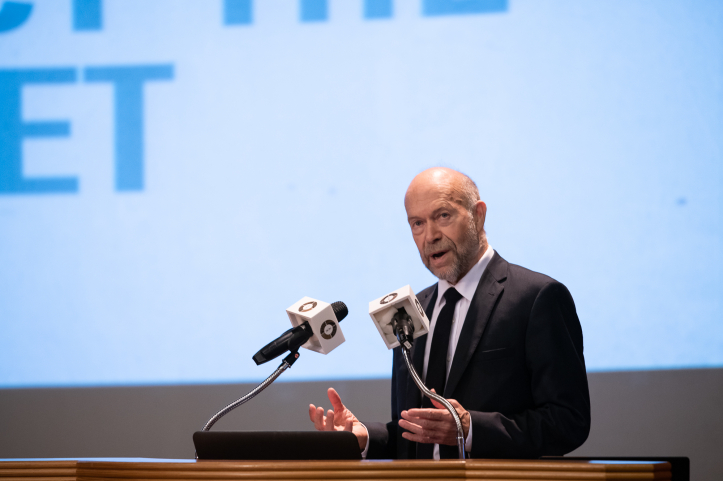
(518, 369)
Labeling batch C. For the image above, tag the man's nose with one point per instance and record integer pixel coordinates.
(432, 233)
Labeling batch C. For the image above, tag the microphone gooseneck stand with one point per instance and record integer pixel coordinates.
(285, 364)
(290, 340)
(404, 329)
(440, 400)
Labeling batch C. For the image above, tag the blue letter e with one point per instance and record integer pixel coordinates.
(13, 130)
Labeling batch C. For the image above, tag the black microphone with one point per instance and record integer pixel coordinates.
(403, 328)
(295, 337)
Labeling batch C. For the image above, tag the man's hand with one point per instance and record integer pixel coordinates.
(435, 426)
(340, 419)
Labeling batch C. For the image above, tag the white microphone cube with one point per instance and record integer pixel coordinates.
(320, 316)
(383, 309)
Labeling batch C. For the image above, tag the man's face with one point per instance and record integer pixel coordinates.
(445, 232)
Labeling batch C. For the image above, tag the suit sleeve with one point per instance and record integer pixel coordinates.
(559, 420)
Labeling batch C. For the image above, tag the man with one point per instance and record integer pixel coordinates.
(505, 346)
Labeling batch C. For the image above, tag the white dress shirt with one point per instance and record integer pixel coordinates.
(466, 287)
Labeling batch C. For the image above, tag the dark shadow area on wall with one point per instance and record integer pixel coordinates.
(636, 413)
(158, 421)
(658, 413)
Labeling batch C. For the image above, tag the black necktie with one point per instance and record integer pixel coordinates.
(437, 366)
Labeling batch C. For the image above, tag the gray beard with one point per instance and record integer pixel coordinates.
(464, 255)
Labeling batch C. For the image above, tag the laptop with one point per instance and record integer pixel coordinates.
(276, 445)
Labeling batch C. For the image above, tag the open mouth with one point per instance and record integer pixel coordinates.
(438, 255)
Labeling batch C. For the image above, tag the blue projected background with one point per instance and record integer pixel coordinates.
(173, 175)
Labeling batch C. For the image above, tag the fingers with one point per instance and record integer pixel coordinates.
(329, 425)
(335, 400)
(338, 415)
(338, 418)
(410, 426)
(428, 426)
(439, 405)
(464, 416)
(318, 418)
(321, 422)
(417, 438)
(312, 412)
(342, 413)
(415, 432)
(428, 413)
(453, 402)
(440, 434)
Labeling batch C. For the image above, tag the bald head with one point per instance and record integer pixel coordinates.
(447, 220)
(455, 185)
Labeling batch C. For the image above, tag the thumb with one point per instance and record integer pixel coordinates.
(434, 402)
(455, 404)
(437, 404)
(335, 400)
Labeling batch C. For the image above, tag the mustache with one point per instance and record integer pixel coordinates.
(441, 245)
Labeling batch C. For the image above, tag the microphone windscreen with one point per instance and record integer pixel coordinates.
(323, 318)
(383, 310)
(340, 310)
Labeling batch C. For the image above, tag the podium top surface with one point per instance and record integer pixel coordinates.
(129, 469)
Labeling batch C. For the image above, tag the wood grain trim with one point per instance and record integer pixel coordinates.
(274, 474)
(41, 478)
(568, 475)
(204, 466)
(311, 475)
(488, 470)
(70, 464)
(572, 465)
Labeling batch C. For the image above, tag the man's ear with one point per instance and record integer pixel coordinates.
(480, 214)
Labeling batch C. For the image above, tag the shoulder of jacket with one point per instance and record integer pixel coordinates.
(530, 278)
(425, 293)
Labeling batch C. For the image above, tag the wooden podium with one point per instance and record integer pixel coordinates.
(121, 469)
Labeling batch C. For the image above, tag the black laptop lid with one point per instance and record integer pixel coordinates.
(276, 445)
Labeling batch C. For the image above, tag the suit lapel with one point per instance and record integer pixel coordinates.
(421, 343)
(413, 395)
(484, 300)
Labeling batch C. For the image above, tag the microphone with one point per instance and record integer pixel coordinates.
(399, 312)
(403, 326)
(400, 319)
(316, 327)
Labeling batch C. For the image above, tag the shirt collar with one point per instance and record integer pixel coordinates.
(468, 284)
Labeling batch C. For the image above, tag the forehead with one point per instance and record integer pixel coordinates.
(422, 200)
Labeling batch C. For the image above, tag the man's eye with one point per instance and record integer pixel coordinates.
(444, 215)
